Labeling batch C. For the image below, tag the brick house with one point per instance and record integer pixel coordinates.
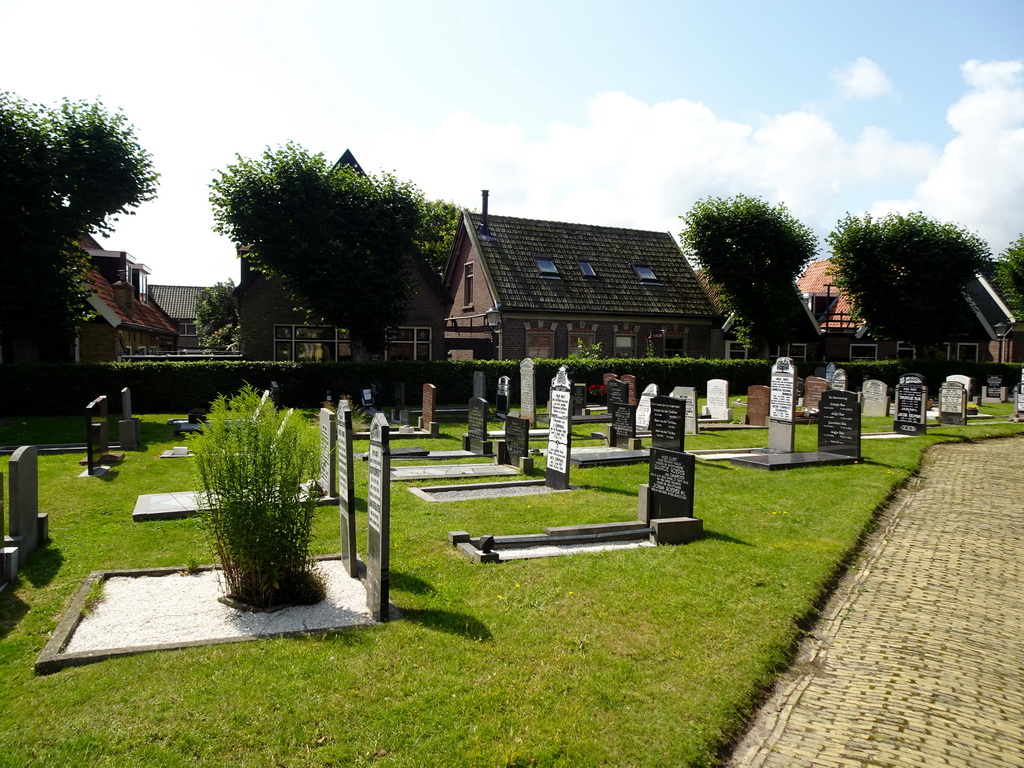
(128, 322)
(528, 288)
(179, 303)
(989, 338)
(271, 328)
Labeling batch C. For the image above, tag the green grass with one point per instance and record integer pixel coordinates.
(642, 658)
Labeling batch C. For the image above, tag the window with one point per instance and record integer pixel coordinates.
(579, 339)
(625, 345)
(467, 286)
(186, 329)
(863, 352)
(587, 268)
(905, 349)
(538, 343)
(310, 343)
(798, 352)
(967, 352)
(675, 346)
(409, 344)
(547, 267)
(645, 273)
(822, 304)
(734, 350)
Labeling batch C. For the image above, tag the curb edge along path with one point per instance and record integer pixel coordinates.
(918, 658)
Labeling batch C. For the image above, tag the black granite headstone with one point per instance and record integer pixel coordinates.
(623, 426)
(994, 387)
(579, 399)
(398, 394)
(839, 423)
(671, 484)
(668, 416)
(911, 405)
(275, 394)
(477, 425)
(517, 439)
(479, 384)
(378, 518)
(617, 392)
(501, 402)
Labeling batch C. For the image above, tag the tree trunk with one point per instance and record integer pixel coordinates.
(24, 348)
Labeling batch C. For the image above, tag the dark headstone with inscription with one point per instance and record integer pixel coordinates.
(579, 399)
(813, 389)
(477, 441)
(479, 384)
(757, 405)
(517, 440)
(781, 406)
(559, 431)
(911, 405)
(617, 391)
(668, 415)
(501, 402)
(839, 423)
(398, 395)
(952, 404)
(623, 426)
(994, 392)
(346, 488)
(378, 519)
(670, 484)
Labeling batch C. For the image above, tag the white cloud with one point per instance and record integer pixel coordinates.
(863, 79)
(978, 181)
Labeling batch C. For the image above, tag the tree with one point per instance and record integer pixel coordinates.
(440, 220)
(752, 253)
(342, 241)
(905, 275)
(64, 172)
(217, 316)
(1010, 276)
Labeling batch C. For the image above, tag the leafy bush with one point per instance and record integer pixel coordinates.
(251, 461)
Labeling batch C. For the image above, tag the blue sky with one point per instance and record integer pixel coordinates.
(597, 112)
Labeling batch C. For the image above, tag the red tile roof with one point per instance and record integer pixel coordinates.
(818, 280)
(145, 315)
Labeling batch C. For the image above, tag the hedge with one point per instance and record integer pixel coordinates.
(177, 387)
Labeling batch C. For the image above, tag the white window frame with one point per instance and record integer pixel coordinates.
(620, 349)
(863, 356)
(734, 350)
(798, 356)
(965, 345)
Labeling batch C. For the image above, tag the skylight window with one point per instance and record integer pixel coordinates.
(546, 266)
(645, 273)
(587, 269)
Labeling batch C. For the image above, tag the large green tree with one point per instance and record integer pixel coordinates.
(342, 241)
(217, 316)
(752, 253)
(65, 172)
(437, 232)
(905, 275)
(1010, 276)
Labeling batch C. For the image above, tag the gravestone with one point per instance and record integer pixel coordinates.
(689, 396)
(758, 397)
(875, 398)
(911, 405)
(327, 478)
(476, 437)
(368, 397)
(839, 423)
(26, 528)
(623, 427)
(669, 486)
(952, 404)
(605, 378)
(397, 394)
(95, 421)
(579, 399)
(428, 420)
(630, 380)
(617, 392)
(129, 428)
(821, 372)
(813, 389)
(643, 409)
(527, 400)
(378, 519)
(1018, 399)
(559, 432)
(501, 401)
(839, 380)
(275, 394)
(479, 384)
(965, 381)
(830, 371)
(994, 392)
(781, 406)
(347, 487)
(516, 446)
(799, 389)
(668, 415)
(718, 399)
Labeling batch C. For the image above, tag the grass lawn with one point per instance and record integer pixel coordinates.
(651, 657)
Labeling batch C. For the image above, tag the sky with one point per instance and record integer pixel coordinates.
(597, 112)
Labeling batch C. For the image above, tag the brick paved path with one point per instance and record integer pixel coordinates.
(918, 660)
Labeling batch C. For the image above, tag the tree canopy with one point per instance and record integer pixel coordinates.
(440, 220)
(217, 316)
(752, 253)
(64, 172)
(342, 241)
(905, 275)
(1010, 276)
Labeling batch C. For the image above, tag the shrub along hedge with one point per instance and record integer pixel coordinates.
(177, 387)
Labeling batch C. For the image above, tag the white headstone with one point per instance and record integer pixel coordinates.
(643, 409)
(782, 405)
(718, 399)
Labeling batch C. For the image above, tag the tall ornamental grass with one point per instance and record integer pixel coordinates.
(251, 462)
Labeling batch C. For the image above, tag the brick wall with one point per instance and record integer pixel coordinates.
(264, 305)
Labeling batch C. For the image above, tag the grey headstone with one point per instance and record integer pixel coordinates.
(23, 502)
(782, 405)
(830, 371)
(952, 404)
(911, 405)
(328, 475)
(689, 395)
(378, 519)
(965, 381)
(480, 384)
(527, 398)
(839, 380)
(477, 426)
(346, 488)
(839, 423)
(875, 398)
(559, 432)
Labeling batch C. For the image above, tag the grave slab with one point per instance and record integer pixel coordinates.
(607, 457)
(471, 491)
(448, 471)
(774, 461)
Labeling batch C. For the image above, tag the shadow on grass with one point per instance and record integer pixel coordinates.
(726, 538)
(42, 566)
(450, 622)
(606, 489)
(408, 583)
(12, 610)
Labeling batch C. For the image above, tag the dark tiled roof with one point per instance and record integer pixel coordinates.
(177, 301)
(714, 291)
(145, 315)
(511, 262)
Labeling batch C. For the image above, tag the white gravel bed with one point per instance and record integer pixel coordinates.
(150, 610)
(487, 493)
(552, 550)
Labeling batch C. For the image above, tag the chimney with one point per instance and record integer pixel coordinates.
(124, 294)
(484, 231)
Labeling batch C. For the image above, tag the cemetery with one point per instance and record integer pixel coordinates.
(595, 582)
